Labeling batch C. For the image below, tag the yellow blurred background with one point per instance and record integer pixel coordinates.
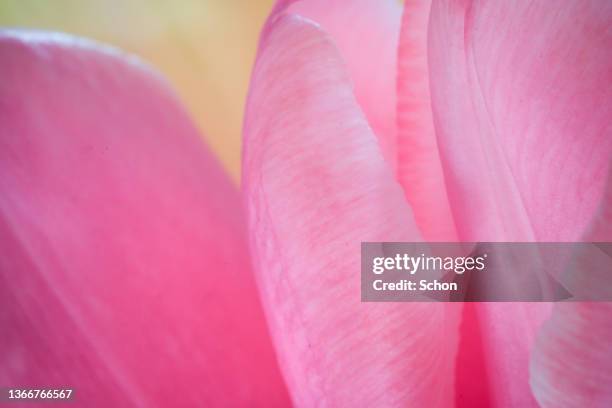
(205, 48)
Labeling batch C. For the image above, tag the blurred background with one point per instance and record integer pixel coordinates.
(205, 48)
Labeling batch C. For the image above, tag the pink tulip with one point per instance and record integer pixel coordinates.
(124, 264)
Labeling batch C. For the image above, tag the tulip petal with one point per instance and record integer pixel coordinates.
(521, 108)
(571, 364)
(366, 34)
(572, 358)
(123, 265)
(419, 169)
(316, 185)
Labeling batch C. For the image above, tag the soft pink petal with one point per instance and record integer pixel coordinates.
(522, 109)
(572, 361)
(508, 333)
(521, 106)
(419, 169)
(123, 270)
(600, 229)
(316, 185)
(366, 34)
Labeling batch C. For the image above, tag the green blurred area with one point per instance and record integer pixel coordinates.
(204, 47)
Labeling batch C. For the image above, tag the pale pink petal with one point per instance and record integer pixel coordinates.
(123, 269)
(521, 108)
(366, 34)
(572, 361)
(600, 229)
(508, 334)
(419, 169)
(316, 185)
